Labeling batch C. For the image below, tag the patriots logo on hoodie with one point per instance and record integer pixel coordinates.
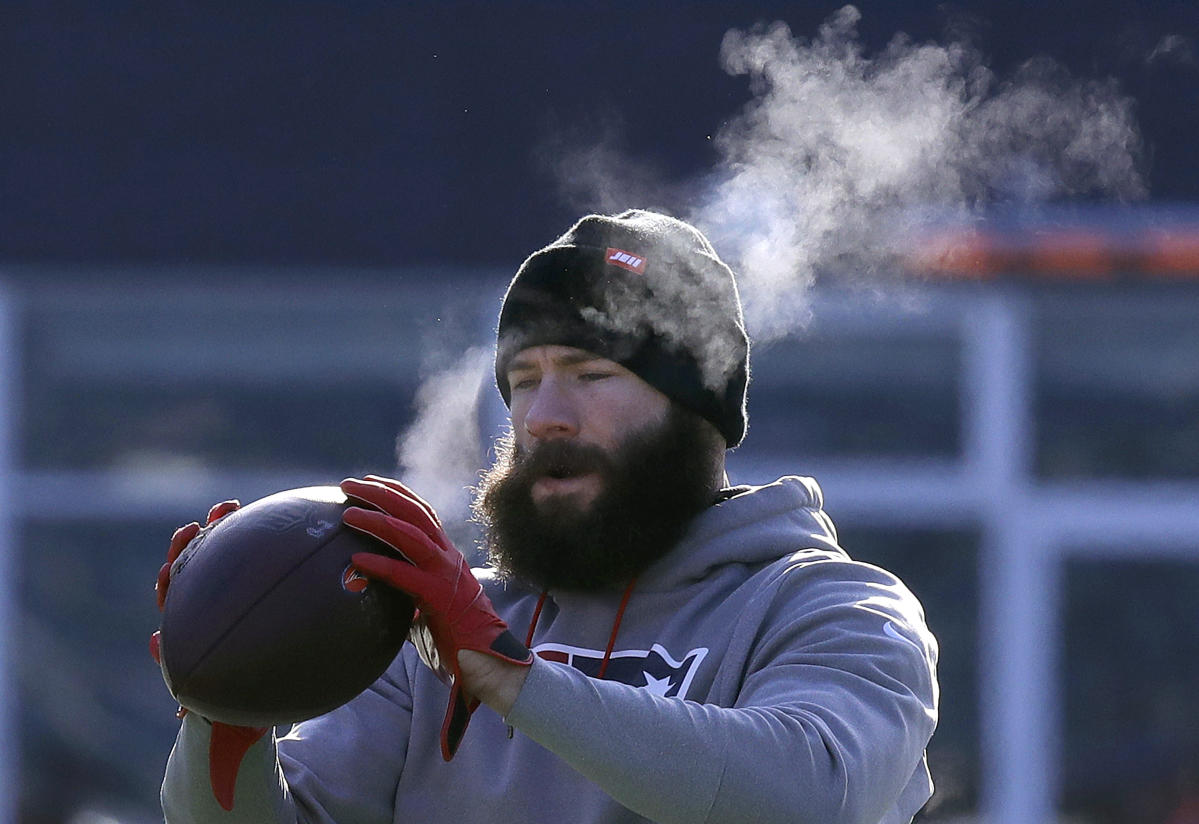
(654, 669)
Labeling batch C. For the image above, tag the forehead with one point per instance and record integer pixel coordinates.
(539, 357)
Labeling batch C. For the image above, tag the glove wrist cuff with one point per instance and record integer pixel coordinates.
(507, 646)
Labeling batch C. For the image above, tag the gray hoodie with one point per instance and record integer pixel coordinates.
(759, 674)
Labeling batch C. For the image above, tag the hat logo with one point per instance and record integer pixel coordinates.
(625, 260)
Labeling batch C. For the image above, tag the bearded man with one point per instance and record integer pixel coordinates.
(649, 642)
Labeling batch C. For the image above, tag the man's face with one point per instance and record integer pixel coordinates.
(564, 394)
(600, 477)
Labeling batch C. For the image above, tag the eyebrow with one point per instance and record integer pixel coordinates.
(570, 359)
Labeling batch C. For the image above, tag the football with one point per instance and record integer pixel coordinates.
(266, 622)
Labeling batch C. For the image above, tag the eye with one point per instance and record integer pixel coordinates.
(589, 377)
(522, 383)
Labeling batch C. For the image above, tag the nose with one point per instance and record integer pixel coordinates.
(552, 413)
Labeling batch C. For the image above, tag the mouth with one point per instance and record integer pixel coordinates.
(572, 483)
(561, 472)
(564, 470)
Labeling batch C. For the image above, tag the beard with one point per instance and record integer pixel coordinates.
(651, 487)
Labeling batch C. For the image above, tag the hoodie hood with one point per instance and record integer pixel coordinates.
(756, 525)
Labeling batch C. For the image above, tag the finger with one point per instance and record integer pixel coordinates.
(392, 483)
(397, 574)
(423, 506)
(180, 539)
(222, 509)
(391, 493)
(398, 504)
(182, 536)
(400, 535)
(160, 585)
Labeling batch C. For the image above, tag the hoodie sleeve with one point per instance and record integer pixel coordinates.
(836, 703)
(339, 767)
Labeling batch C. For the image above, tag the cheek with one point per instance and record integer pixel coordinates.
(626, 410)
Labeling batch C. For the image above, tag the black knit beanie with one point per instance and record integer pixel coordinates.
(647, 291)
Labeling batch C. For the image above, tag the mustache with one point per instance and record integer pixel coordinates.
(560, 459)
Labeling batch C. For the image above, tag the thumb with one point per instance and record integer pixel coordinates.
(227, 748)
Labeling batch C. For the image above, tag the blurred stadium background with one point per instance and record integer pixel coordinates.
(234, 245)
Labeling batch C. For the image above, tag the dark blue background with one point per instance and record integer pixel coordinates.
(388, 133)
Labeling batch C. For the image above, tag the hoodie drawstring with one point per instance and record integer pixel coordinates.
(624, 603)
(536, 616)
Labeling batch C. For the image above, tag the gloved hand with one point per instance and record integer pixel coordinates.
(228, 744)
(453, 612)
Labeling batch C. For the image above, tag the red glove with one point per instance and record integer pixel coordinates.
(229, 743)
(453, 611)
